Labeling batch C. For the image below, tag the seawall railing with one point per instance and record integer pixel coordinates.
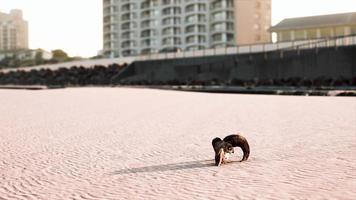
(256, 48)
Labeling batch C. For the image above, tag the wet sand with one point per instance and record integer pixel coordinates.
(116, 143)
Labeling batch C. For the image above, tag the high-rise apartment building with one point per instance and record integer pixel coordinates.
(133, 27)
(13, 31)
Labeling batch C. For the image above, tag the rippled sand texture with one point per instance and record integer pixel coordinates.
(112, 143)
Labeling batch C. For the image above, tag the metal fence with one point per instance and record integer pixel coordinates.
(257, 48)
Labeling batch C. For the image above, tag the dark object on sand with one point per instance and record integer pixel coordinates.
(239, 141)
(220, 148)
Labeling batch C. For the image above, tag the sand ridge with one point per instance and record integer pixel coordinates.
(117, 143)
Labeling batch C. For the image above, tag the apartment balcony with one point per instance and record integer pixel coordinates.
(170, 21)
(222, 44)
(128, 7)
(196, 33)
(221, 20)
(195, 47)
(195, 43)
(146, 37)
(109, 46)
(129, 35)
(196, 40)
(196, 30)
(126, 48)
(196, 19)
(168, 49)
(171, 41)
(150, 13)
(111, 36)
(128, 17)
(128, 43)
(171, 25)
(149, 4)
(109, 22)
(129, 52)
(128, 26)
(149, 51)
(148, 8)
(122, 20)
(222, 8)
(148, 45)
(172, 2)
(196, 8)
(109, 29)
(171, 10)
(107, 3)
(171, 32)
(221, 31)
(127, 38)
(189, 23)
(110, 11)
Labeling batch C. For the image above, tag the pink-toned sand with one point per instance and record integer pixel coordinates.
(116, 143)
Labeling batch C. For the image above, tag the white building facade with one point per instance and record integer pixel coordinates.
(134, 27)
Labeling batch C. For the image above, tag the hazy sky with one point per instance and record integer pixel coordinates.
(76, 25)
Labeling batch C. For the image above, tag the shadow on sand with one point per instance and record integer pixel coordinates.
(167, 167)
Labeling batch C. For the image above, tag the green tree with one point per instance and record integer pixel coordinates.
(59, 55)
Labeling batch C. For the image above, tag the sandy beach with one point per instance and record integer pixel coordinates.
(121, 143)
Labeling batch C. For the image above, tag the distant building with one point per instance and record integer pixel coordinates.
(26, 54)
(133, 27)
(323, 26)
(13, 31)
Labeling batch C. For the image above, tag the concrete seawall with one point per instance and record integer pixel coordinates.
(320, 68)
(328, 63)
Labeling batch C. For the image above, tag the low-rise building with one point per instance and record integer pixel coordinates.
(26, 54)
(315, 27)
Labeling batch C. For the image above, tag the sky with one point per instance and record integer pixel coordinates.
(76, 25)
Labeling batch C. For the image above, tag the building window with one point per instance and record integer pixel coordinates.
(299, 35)
(129, 25)
(195, 18)
(325, 32)
(228, 26)
(149, 33)
(217, 38)
(339, 31)
(129, 35)
(195, 39)
(149, 23)
(128, 7)
(148, 42)
(284, 36)
(148, 51)
(312, 34)
(353, 30)
(130, 43)
(171, 21)
(167, 2)
(171, 31)
(129, 52)
(171, 11)
(172, 41)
